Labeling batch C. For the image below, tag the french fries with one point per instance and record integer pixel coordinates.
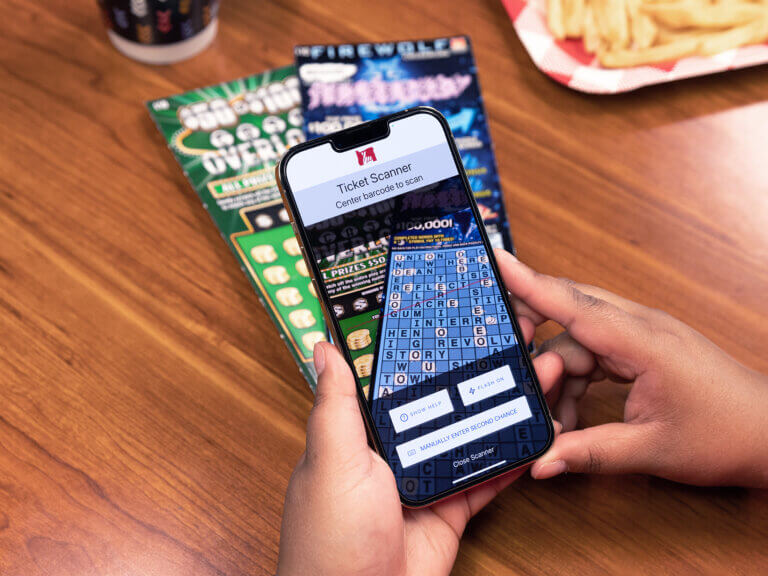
(694, 15)
(626, 33)
(556, 18)
(574, 23)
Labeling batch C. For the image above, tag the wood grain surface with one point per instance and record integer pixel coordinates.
(150, 415)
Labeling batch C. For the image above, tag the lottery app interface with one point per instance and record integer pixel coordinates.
(420, 309)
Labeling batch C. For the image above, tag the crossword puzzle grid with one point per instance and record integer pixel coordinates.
(444, 322)
(442, 310)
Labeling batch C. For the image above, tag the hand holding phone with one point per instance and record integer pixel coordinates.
(407, 276)
(343, 513)
(692, 413)
(336, 507)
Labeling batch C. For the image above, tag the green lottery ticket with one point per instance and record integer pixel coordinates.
(228, 139)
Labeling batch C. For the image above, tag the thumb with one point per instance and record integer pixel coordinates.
(335, 426)
(616, 448)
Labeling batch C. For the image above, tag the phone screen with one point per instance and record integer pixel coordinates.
(408, 278)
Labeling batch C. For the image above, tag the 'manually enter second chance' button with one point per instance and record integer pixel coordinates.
(420, 411)
(463, 432)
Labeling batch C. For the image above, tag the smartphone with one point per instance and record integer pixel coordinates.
(401, 262)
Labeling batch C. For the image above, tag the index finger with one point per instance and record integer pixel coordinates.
(601, 326)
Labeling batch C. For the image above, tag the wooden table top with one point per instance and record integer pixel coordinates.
(150, 416)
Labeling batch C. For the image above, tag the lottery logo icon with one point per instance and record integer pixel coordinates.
(365, 156)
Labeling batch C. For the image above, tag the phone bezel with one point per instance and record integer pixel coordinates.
(375, 128)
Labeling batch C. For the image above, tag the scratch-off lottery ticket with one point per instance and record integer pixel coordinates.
(346, 84)
(228, 139)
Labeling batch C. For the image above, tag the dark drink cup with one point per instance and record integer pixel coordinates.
(160, 31)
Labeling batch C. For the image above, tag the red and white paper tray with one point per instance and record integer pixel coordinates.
(567, 62)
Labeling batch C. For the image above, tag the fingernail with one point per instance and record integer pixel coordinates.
(551, 469)
(558, 427)
(319, 359)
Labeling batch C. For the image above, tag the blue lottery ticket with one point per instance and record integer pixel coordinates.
(343, 85)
